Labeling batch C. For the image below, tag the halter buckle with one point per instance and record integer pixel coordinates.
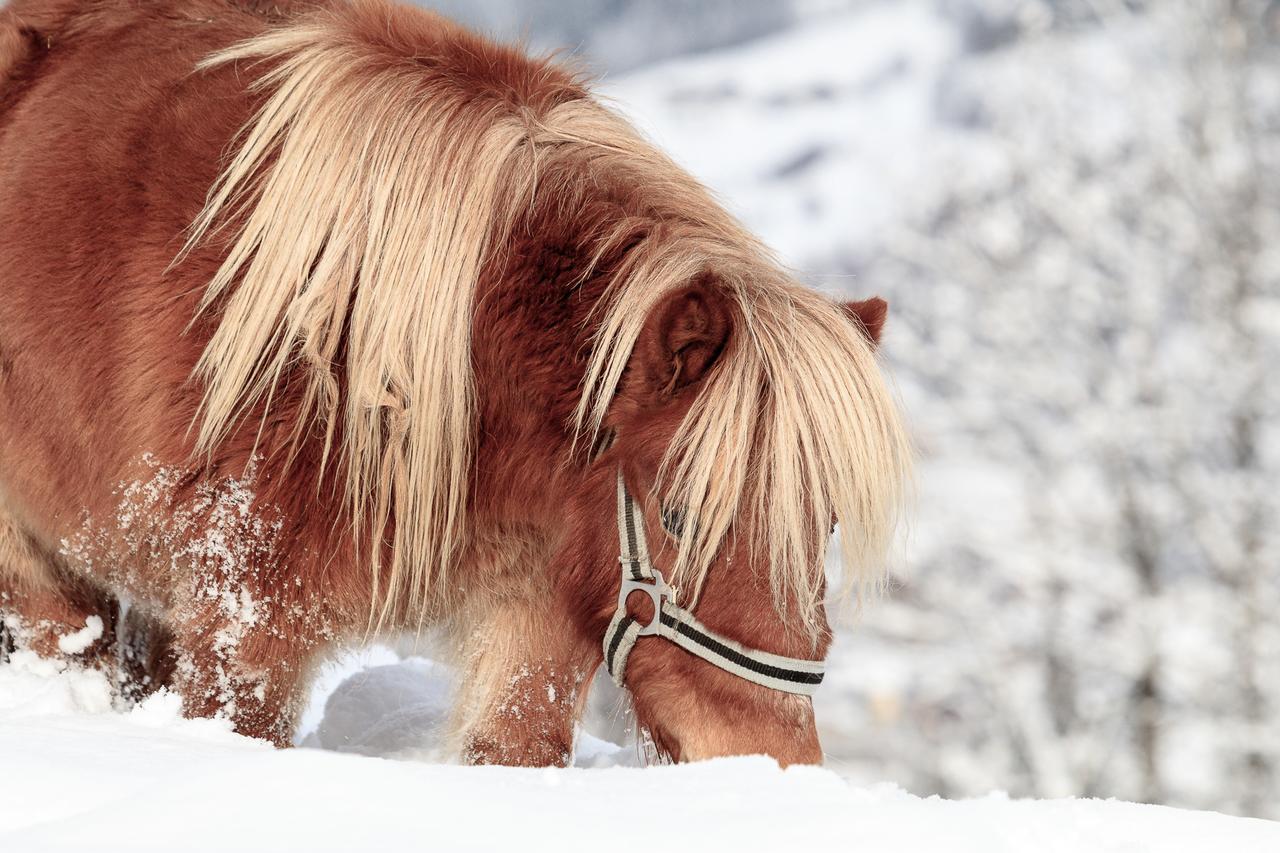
(657, 590)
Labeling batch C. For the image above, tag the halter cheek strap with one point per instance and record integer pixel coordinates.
(790, 675)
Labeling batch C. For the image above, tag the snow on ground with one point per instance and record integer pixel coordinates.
(78, 774)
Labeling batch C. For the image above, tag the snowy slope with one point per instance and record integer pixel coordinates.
(78, 775)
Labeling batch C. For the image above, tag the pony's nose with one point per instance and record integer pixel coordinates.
(785, 752)
(784, 731)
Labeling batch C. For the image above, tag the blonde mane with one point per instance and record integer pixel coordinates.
(796, 425)
(367, 195)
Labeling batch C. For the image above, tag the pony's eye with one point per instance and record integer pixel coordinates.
(673, 519)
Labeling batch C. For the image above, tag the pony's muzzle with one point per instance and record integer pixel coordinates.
(788, 741)
(733, 718)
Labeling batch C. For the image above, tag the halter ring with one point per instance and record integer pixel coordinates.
(657, 590)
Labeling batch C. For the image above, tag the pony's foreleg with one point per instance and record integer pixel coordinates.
(145, 653)
(523, 678)
(244, 657)
(48, 611)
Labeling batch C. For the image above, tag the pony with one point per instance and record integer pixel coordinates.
(324, 320)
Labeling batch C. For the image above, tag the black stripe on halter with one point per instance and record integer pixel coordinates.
(637, 573)
(736, 657)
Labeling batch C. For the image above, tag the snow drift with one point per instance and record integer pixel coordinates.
(80, 774)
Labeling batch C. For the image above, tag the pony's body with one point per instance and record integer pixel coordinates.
(262, 498)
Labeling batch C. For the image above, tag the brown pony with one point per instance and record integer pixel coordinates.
(322, 319)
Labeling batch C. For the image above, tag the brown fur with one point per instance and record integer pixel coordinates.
(250, 553)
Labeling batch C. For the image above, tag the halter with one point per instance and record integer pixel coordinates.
(790, 675)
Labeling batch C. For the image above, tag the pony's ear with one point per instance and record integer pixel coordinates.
(869, 314)
(682, 339)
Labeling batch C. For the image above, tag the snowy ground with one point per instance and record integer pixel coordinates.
(79, 775)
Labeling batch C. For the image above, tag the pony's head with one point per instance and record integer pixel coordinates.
(505, 309)
(747, 417)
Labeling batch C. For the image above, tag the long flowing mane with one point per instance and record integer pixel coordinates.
(795, 428)
(391, 157)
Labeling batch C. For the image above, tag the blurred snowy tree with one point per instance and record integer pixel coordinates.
(1097, 302)
(614, 35)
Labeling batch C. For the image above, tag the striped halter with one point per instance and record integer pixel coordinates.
(790, 675)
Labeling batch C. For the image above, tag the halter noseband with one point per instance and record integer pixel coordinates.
(790, 675)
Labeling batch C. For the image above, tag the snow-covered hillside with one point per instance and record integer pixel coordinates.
(76, 775)
(820, 137)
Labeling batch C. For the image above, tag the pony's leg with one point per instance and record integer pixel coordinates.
(146, 656)
(523, 673)
(245, 658)
(48, 611)
(56, 615)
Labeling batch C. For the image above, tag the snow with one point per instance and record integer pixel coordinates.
(91, 776)
(816, 137)
(73, 644)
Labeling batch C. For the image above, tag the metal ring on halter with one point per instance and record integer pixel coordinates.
(658, 593)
